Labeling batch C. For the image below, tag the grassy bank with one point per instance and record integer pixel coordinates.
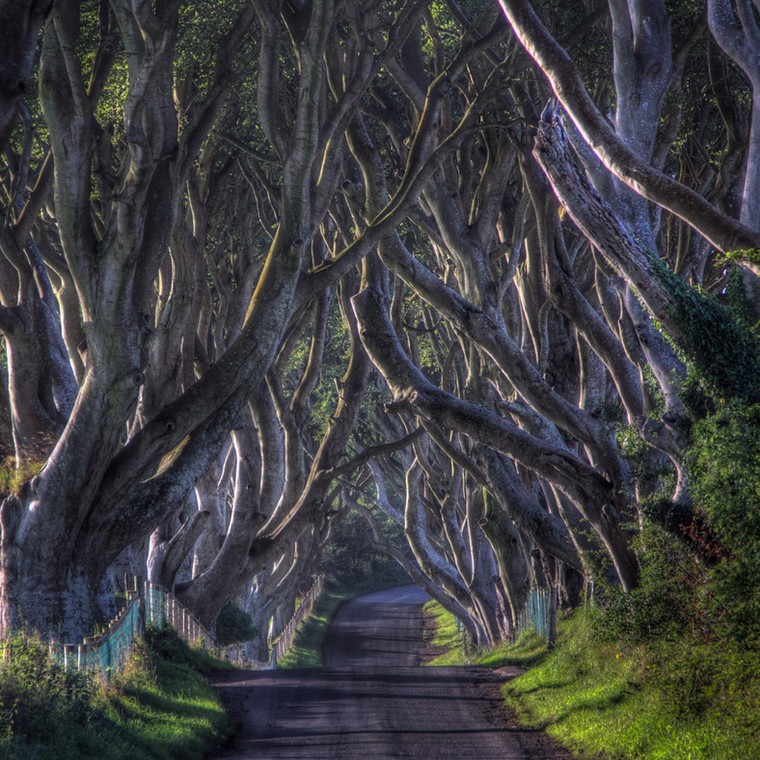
(527, 650)
(160, 708)
(675, 699)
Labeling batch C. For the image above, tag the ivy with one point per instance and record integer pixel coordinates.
(724, 352)
(737, 299)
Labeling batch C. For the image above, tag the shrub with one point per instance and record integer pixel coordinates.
(725, 470)
(39, 700)
(234, 625)
(663, 603)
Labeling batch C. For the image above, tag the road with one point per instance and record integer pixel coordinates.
(374, 701)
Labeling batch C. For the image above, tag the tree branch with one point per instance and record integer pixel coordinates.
(722, 231)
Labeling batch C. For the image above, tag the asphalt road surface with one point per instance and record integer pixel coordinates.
(374, 701)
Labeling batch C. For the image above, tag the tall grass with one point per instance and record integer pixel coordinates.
(160, 707)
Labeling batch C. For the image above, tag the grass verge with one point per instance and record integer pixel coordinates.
(667, 700)
(528, 648)
(159, 708)
(670, 699)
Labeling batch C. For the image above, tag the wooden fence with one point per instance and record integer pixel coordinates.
(285, 639)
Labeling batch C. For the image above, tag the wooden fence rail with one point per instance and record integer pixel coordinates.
(285, 639)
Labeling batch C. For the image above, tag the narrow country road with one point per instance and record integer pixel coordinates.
(374, 700)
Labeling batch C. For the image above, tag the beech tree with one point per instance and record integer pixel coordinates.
(607, 302)
(118, 460)
(265, 263)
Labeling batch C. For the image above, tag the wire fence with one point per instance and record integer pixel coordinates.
(162, 610)
(150, 605)
(535, 613)
(539, 612)
(147, 604)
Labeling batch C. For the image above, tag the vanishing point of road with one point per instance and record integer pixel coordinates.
(374, 700)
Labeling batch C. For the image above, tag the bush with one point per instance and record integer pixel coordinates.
(234, 625)
(39, 700)
(725, 469)
(663, 603)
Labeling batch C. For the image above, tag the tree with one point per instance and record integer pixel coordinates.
(348, 249)
(97, 492)
(20, 23)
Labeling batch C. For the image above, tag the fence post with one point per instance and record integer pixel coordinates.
(553, 604)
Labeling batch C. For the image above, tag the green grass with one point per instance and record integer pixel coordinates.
(446, 635)
(670, 700)
(528, 648)
(683, 699)
(159, 708)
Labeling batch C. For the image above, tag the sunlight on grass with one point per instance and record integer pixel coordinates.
(670, 700)
(159, 708)
(306, 651)
(529, 647)
(599, 700)
(446, 635)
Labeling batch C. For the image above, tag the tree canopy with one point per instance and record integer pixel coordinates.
(485, 272)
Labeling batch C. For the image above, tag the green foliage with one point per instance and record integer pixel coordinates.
(745, 254)
(351, 558)
(39, 700)
(664, 599)
(234, 625)
(12, 477)
(679, 699)
(725, 469)
(725, 353)
(737, 298)
(159, 707)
